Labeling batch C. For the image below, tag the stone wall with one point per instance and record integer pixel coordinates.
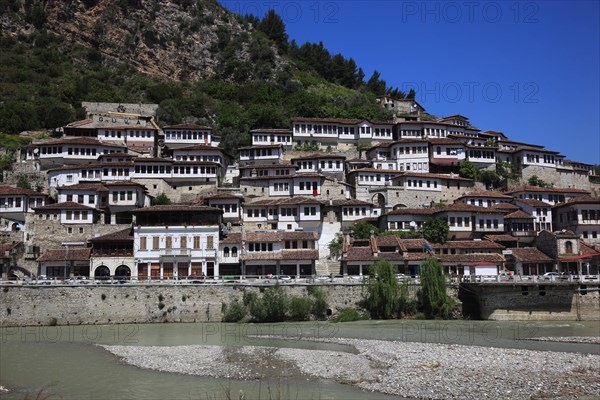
(558, 178)
(106, 304)
(534, 302)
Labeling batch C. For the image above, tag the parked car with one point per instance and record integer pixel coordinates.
(551, 274)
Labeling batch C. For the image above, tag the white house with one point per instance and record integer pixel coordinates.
(187, 135)
(263, 137)
(176, 241)
(16, 202)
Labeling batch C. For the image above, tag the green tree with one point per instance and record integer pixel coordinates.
(362, 230)
(23, 182)
(161, 200)
(335, 246)
(490, 179)
(597, 170)
(435, 230)
(468, 170)
(375, 84)
(272, 25)
(383, 291)
(434, 301)
(534, 180)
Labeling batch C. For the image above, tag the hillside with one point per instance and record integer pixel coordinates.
(198, 61)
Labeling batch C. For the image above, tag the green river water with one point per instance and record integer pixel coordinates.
(65, 361)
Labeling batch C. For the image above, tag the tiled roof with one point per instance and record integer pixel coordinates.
(462, 207)
(413, 211)
(350, 202)
(468, 244)
(384, 171)
(232, 238)
(529, 255)
(300, 254)
(271, 131)
(580, 200)
(296, 200)
(197, 147)
(98, 187)
(472, 258)
(187, 126)
(263, 146)
(347, 121)
(283, 164)
(518, 215)
(508, 207)
(318, 156)
(14, 191)
(486, 193)
(278, 236)
(533, 202)
(75, 141)
(123, 235)
(546, 190)
(435, 141)
(501, 238)
(428, 175)
(68, 205)
(177, 208)
(92, 166)
(224, 196)
(4, 247)
(65, 255)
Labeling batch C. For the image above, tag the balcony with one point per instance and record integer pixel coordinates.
(175, 252)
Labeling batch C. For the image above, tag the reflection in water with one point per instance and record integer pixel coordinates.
(66, 357)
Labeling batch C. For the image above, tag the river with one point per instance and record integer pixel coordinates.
(65, 362)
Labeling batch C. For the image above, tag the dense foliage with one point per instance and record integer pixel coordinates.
(434, 301)
(385, 297)
(274, 305)
(435, 230)
(363, 230)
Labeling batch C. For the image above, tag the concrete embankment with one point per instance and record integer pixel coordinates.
(531, 301)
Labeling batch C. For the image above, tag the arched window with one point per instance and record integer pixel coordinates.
(226, 252)
(568, 247)
(234, 252)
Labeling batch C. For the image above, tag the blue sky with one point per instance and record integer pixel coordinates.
(527, 68)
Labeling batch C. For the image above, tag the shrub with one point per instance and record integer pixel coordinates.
(319, 304)
(299, 308)
(234, 312)
(382, 299)
(350, 314)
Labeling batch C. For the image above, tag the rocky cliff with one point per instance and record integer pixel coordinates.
(181, 40)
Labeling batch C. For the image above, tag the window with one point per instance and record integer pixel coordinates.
(155, 240)
(226, 252)
(69, 197)
(183, 242)
(196, 242)
(143, 243)
(168, 242)
(568, 247)
(210, 242)
(69, 215)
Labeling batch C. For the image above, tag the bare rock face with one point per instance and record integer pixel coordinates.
(181, 40)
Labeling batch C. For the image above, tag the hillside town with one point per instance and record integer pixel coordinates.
(115, 195)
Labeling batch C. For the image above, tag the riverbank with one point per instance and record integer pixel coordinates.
(416, 370)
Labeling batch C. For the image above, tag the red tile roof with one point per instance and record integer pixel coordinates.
(468, 244)
(65, 255)
(68, 205)
(518, 215)
(187, 126)
(15, 191)
(530, 255)
(546, 190)
(124, 235)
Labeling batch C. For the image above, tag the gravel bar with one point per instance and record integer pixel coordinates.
(416, 370)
